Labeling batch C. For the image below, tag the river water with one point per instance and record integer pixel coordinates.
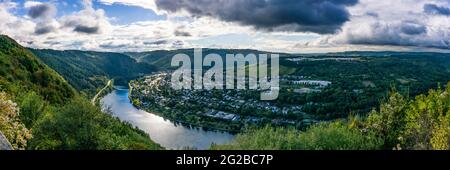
(167, 133)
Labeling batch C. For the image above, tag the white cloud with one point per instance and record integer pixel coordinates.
(374, 25)
(399, 23)
(88, 20)
(29, 4)
(17, 27)
(148, 4)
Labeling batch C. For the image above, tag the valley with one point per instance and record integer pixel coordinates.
(176, 135)
(316, 89)
(332, 93)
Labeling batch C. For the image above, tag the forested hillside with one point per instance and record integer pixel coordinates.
(422, 123)
(360, 79)
(163, 58)
(40, 110)
(87, 71)
(21, 71)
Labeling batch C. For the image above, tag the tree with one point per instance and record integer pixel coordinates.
(427, 121)
(325, 136)
(388, 123)
(80, 125)
(31, 106)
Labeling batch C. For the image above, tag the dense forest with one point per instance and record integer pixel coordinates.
(40, 110)
(359, 84)
(359, 81)
(88, 71)
(162, 58)
(422, 123)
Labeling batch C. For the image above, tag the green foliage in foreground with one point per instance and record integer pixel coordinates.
(419, 124)
(79, 125)
(325, 136)
(10, 125)
(40, 110)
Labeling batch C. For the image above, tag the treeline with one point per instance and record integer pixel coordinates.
(87, 71)
(357, 86)
(40, 110)
(21, 71)
(32, 123)
(422, 123)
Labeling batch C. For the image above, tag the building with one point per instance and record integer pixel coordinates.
(320, 83)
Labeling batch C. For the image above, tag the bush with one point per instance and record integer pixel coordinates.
(337, 136)
(324, 136)
(82, 126)
(32, 106)
(10, 124)
(419, 124)
(428, 121)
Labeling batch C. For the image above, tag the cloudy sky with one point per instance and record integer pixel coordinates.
(296, 26)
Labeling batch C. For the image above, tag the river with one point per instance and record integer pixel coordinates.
(167, 133)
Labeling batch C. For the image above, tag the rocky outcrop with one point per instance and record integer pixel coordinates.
(4, 144)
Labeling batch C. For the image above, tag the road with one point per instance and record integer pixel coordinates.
(100, 92)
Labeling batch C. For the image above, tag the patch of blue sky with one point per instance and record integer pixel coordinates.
(124, 14)
(120, 14)
(64, 7)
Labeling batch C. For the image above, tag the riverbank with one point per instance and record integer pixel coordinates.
(200, 121)
(169, 134)
(104, 91)
(206, 123)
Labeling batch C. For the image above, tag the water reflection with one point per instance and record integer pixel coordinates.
(169, 134)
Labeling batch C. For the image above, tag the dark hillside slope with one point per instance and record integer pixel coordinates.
(40, 110)
(21, 71)
(162, 58)
(87, 70)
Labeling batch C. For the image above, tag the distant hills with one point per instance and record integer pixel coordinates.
(42, 86)
(39, 109)
(163, 58)
(87, 70)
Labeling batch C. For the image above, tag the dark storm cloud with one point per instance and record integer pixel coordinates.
(80, 27)
(177, 44)
(42, 11)
(158, 42)
(407, 33)
(86, 29)
(436, 10)
(319, 16)
(372, 14)
(412, 28)
(112, 46)
(43, 29)
(52, 42)
(180, 33)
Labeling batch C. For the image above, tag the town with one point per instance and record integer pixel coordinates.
(238, 107)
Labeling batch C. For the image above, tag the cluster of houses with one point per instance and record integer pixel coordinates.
(223, 115)
(305, 84)
(154, 91)
(323, 59)
(320, 83)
